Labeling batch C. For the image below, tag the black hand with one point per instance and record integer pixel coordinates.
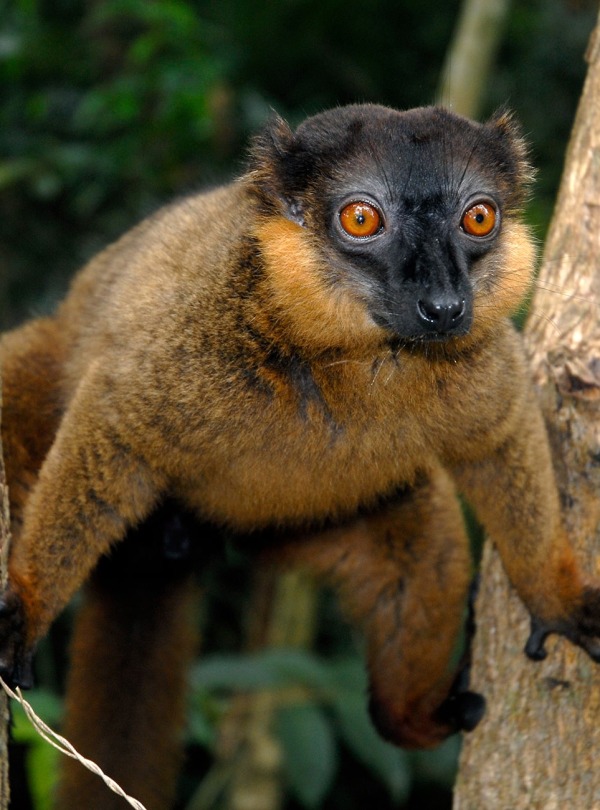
(582, 629)
(15, 659)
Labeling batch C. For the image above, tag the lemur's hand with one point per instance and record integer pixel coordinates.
(582, 628)
(15, 659)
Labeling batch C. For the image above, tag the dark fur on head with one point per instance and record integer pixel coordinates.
(285, 165)
(422, 169)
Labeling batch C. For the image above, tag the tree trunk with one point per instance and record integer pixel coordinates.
(537, 746)
(4, 540)
(471, 55)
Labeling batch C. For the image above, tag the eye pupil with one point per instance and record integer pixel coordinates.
(360, 219)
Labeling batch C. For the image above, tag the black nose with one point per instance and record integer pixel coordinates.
(441, 314)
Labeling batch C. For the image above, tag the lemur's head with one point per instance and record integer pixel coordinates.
(393, 226)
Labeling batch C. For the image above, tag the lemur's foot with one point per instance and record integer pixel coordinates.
(582, 629)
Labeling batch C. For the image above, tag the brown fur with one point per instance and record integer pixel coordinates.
(216, 354)
(131, 720)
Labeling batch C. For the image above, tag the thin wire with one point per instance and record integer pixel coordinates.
(65, 747)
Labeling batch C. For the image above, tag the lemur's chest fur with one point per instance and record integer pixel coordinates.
(303, 453)
(327, 440)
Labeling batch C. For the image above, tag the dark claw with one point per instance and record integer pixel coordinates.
(470, 710)
(587, 625)
(582, 628)
(463, 711)
(534, 648)
(15, 659)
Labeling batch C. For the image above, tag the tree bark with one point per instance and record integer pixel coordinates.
(471, 55)
(537, 745)
(4, 541)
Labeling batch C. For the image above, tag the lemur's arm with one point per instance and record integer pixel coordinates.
(402, 574)
(514, 493)
(92, 486)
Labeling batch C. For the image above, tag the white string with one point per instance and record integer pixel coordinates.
(65, 747)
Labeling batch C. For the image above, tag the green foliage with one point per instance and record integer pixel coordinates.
(310, 752)
(268, 669)
(41, 760)
(322, 711)
(110, 108)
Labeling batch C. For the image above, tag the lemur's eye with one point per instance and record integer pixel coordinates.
(479, 219)
(360, 219)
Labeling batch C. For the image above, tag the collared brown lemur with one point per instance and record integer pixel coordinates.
(314, 359)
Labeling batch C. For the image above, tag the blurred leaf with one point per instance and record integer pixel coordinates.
(235, 672)
(388, 763)
(201, 729)
(437, 766)
(301, 666)
(46, 704)
(348, 673)
(42, 760)
(11, 171)
(47, 185)
(269, 668)
(178, 15)
(310, 753)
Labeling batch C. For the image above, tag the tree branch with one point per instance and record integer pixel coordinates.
(471, 55)
(536, 747)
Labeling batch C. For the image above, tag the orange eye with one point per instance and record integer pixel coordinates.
(360, 219)
(479, 220)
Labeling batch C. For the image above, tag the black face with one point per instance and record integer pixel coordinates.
(411, 254)
(406, 206)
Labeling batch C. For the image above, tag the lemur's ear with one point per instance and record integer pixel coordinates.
(513, 153)
(276, 169)
(271, 147)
